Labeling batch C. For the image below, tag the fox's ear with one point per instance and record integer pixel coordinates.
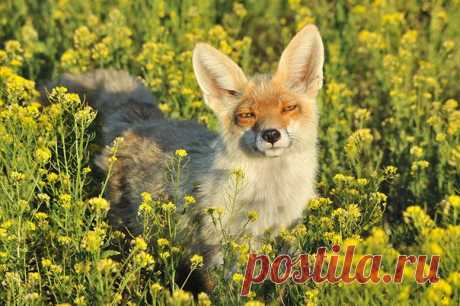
(301, 64)
(218, 76)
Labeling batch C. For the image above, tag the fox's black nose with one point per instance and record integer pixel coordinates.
(271, 135)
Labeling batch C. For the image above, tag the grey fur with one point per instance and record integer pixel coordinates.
(126, 108)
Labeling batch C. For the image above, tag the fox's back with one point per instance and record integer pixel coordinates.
(127, 109)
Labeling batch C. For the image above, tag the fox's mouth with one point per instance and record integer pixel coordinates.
(273, 152)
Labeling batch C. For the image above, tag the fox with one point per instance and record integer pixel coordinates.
(268, 126)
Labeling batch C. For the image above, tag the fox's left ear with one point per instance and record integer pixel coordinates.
(301, 64)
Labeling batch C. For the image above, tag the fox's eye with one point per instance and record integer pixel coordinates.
(233, 93)
(246, 115)
(289, 108)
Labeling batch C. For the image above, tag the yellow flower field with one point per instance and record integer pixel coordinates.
(389, 179)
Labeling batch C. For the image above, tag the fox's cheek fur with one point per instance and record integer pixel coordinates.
(247, 141)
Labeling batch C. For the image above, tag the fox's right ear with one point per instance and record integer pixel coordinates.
(218, 76)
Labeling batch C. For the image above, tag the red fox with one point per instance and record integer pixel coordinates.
(268, 130)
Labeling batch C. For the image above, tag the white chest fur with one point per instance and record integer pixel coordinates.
(278, 189)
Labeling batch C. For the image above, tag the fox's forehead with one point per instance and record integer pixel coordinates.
(264, 93)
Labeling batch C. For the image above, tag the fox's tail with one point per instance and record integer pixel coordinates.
(120, 99)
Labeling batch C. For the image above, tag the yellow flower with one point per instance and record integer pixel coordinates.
(34, 296)
(64, 240)
(181, 297)
(112, 159)
(144, 259)
(203, 299)
(450, 105)
(435, 249)
(393, 18)
(197, 104)
(162, 242)
(69, 58)
(448, 45)
(165, 255)
(156, 287)
(100, 52)
(13, 46)
(43, 197)
(82, 267)
(85, 115)
(439, 292)
(353, 211)
(334, 238)
(239, 9)
(106, 265)
(43, 155)
(409, 37)
(266, 248)
(253, 216)
(237, 277)
(416, 151)
(416, 215)
(169, 207)
(311, 296)
(46, 262)
(319, 202)
(218, 33)
(454, 279)
(372, 40)
(117, 298)
(40, 215)
(146, 205)
(287, 236)
(17, 176)
(65, 200)
(181, 153)
(33, 277)
(238, 173)
(219, 211)
(454, 200)
(359, 9)
(99, 204)
(203, 119)
(440, 137)
(140, 244)
(146, 197)
(80, 301)
(187, 91)
(419, 165)
(83, 38)
(358, 141)
(196, 261)
(92, 241)
(299, 230)
(189, 199)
